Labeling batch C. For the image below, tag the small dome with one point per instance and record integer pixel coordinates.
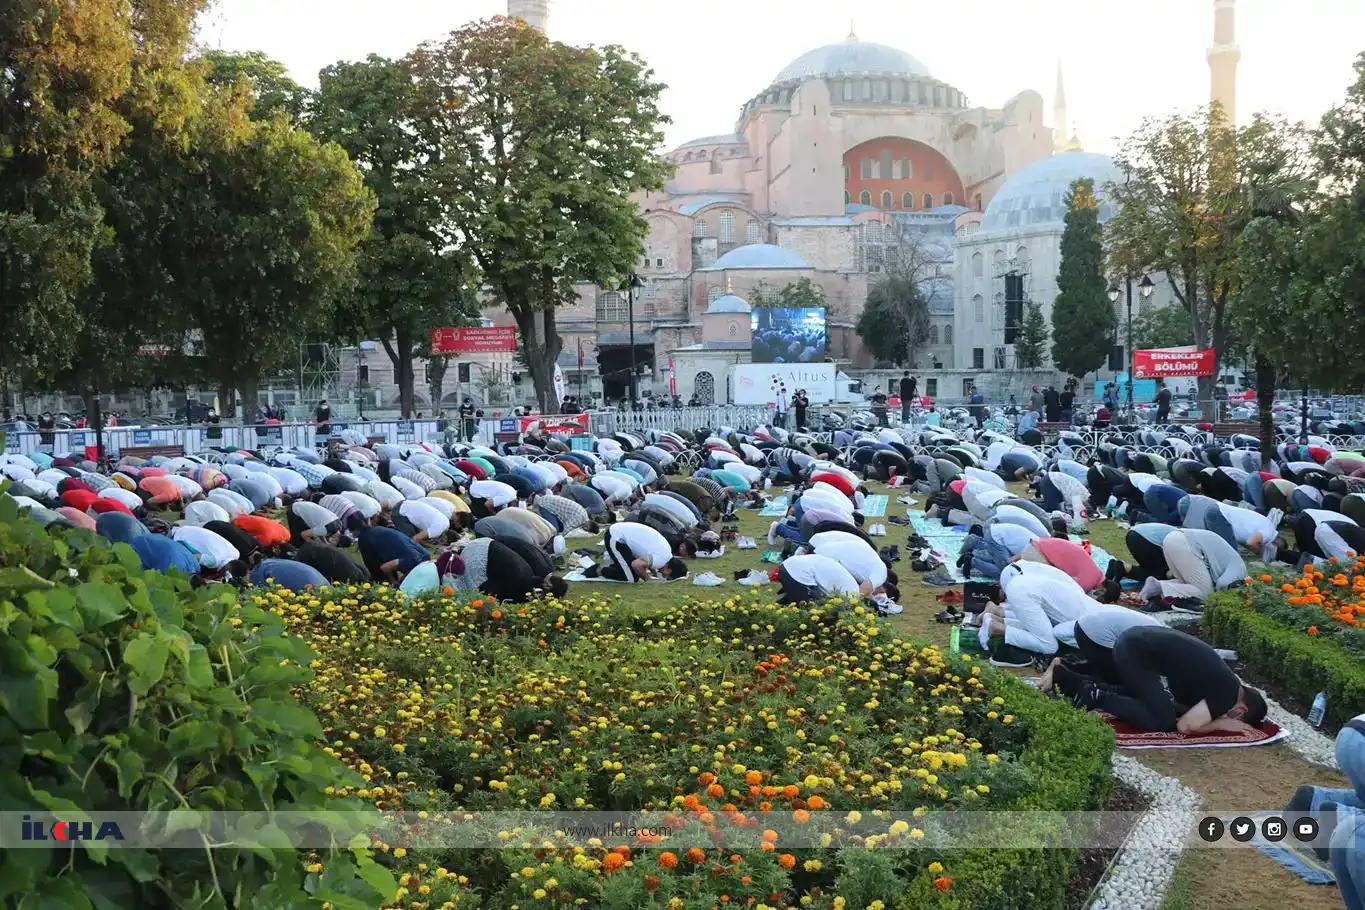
(1036, 196)
(726, 139)
(851, 58)
(760, 256)
(729, 303)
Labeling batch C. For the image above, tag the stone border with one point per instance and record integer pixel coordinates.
(1139, 875)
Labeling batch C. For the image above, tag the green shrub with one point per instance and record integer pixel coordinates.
(1272, 639)
(126, 691)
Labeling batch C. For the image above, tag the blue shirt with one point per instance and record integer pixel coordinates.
(380, 545)
(161, 554)
(287, 574)
(537, 482)
(119, 527)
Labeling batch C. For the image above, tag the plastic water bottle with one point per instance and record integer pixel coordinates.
(1319, 709)
(954, 640)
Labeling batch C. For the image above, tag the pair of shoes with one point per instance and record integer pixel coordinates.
(729, 534)
(1011, 657)
(746, 543)
(950, 597)
(1156, 605)
(916, 542)
(897, 520)
(889, 608)
(751, 577)
(939, 577)
(947, 617)
(1186, 604)
(772, 534)
(891, 553)
(926, 563)
(905, 500)
(708, 580)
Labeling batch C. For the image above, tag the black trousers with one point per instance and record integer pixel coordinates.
(793, 592)
(1099, 660)
(1139, 697)
(1149, 560)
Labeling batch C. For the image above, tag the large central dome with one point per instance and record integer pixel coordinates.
(851, 58)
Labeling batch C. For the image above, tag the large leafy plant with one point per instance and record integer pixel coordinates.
(129, 691)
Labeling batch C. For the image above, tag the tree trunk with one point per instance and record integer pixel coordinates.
(540, 357)
(400, 355)
(436, 379)
(1265, 402)
(249, 390)
(225, 399)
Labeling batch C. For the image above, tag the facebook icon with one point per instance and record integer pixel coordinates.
(1211, 828)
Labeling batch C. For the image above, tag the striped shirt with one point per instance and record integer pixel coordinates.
(568, 513)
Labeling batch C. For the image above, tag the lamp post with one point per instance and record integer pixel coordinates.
(1145, 288)
(629, 286)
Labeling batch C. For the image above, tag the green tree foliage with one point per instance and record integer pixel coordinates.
(410, 279)
(1192, 184)
(1162, 327)
(894, 322)
(267, 82)
(536, 149)
(71, 73)
(1082, 316)
(801, 294)
(1030, 346)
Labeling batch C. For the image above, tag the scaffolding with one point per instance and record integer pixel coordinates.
(319, 376)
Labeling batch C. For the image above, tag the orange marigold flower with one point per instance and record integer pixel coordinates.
(753, 778)
(816, 802)
(447, 590)
(1312, 630)
(766, 847)
(706, 778)
(613, 861)
(695, 856)
(791, 791)
(715, 791)
(668, 859)
(476, 604)
(496, 614)
(786, 861)
(801, 816)
(943, 883)
(765, 806)
(652, 882)
(1266, 579)
(1288, 589)
(622, 850)
(769, 836)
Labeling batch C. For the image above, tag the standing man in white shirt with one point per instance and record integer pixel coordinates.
(780, 408)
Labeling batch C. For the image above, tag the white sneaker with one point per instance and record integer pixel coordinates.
(708, 580)
(755, 577)
(772, 534)
(746, 543)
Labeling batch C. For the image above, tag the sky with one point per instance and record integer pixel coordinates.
(1123, 59)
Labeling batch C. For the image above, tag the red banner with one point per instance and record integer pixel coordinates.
(1163, 362)
(571, 424)
(474, 340)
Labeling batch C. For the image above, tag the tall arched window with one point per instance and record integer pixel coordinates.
(933, 334)
(947, 198)
(865, 197)
(611, 307)
(999, 262)
(1021, 254)
(928, 200)
(948, 333)
(725, 227)
(848, 197)
(700, 228)
(979, 308)
(978, 265)
(908, 201)
(754, 233)
(886, 199)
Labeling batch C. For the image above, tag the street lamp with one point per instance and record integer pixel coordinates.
(629, 286)
(1145, 288)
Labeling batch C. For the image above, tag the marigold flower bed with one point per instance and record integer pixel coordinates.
(714, 715)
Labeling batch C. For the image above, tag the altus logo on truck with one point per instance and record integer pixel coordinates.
(69, 831)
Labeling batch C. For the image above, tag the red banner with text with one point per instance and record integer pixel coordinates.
(571, 424)
(474, 340)
(1161, 362)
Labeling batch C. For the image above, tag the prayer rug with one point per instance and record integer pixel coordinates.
(1131, 737)
(1300, 860)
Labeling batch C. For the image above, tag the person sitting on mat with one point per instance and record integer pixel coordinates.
(1341, 810)
(1204, 695)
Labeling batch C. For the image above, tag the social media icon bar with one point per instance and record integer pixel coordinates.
(1242, 829)
(1273, 828)
(1305, 829)
(1211, 828)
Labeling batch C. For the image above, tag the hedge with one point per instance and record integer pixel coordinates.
(1277, 647)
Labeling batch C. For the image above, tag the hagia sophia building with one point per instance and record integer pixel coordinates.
(855, 153)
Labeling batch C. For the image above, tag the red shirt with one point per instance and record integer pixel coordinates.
(838, 481)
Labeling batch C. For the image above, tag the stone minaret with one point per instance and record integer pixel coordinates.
(1223, 57)
(1059, 124)
(536, 13)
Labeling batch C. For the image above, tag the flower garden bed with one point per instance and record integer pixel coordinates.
(713, 715)
(1303, 634)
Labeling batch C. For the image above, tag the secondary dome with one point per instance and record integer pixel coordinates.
(1036, 196)
(851, 58)
(760, 256)
(728, 303)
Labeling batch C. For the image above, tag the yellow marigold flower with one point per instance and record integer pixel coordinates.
(935, 868)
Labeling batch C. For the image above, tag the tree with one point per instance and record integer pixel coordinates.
(67, 72)
(1161, 327)
(269, 226)
(536, 150)
(1030, 347)
(409, 279)
(895, 319)
(801, 294)
(1192, 185)
(1082, 316)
